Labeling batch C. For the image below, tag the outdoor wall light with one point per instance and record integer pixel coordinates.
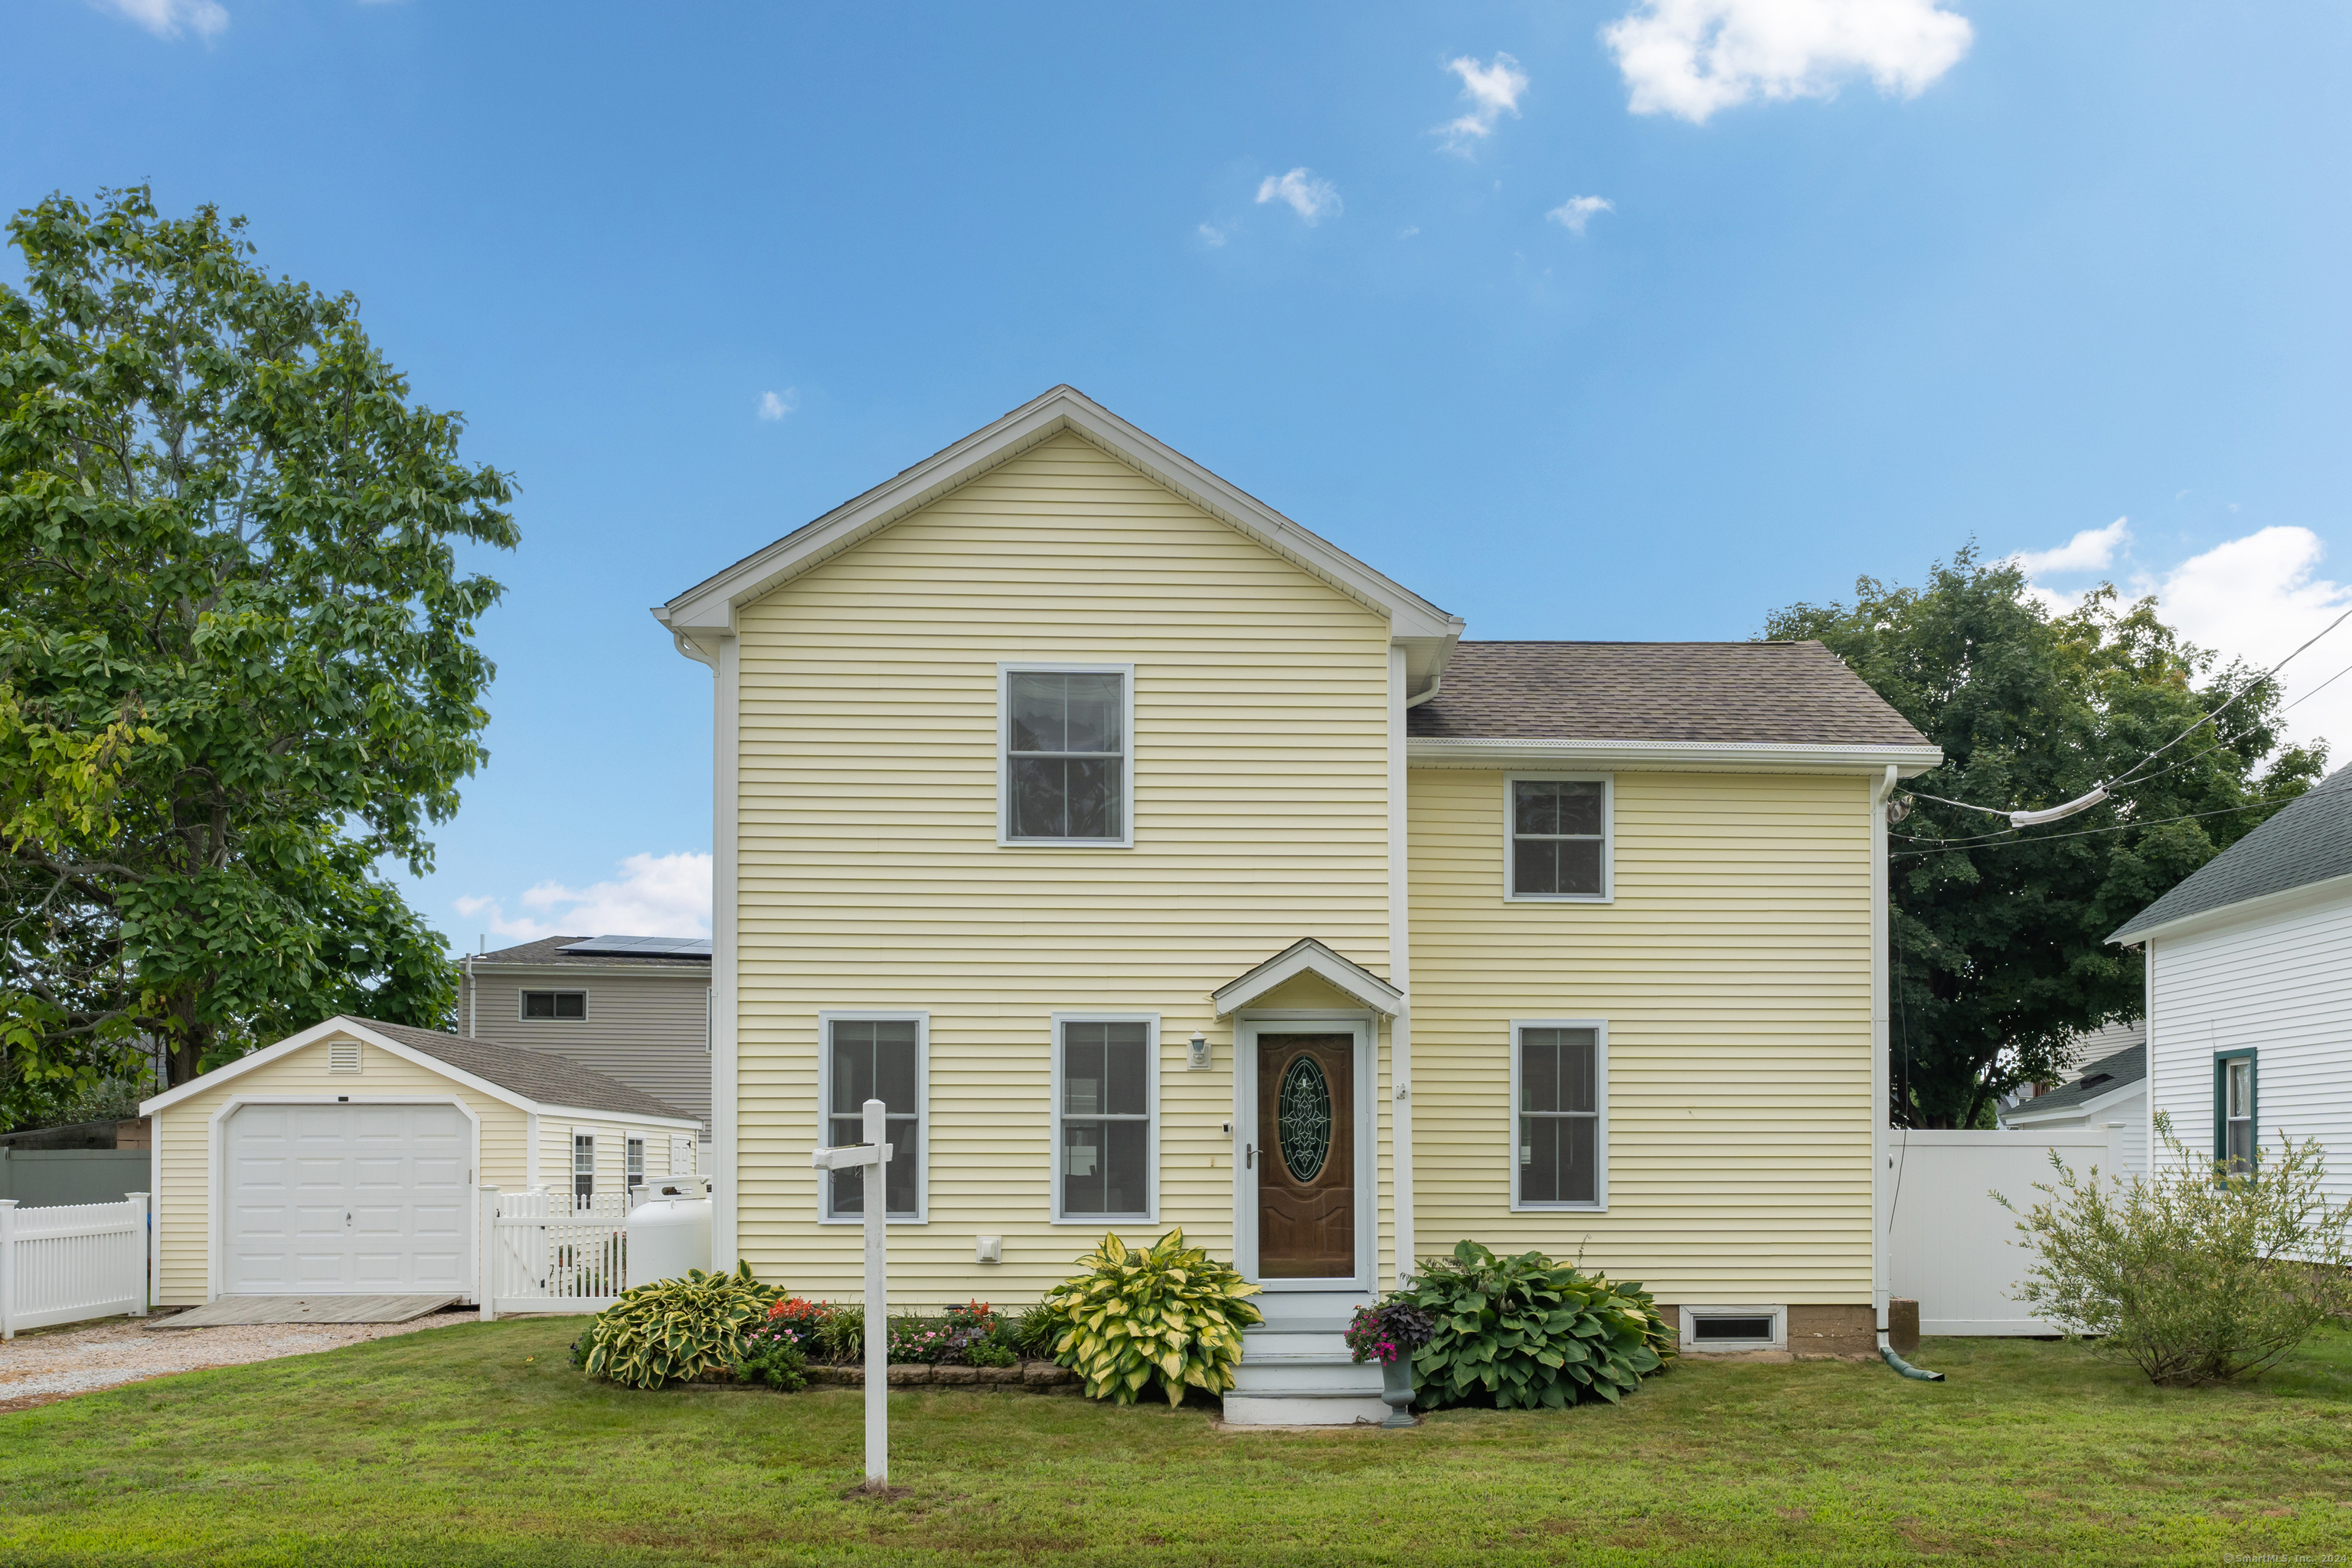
(1196, 1054)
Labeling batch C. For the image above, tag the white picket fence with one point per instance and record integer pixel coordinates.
(1950, 1246)
(62, 1264)
(550, 1252)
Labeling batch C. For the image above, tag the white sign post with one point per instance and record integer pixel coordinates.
(868, 1158)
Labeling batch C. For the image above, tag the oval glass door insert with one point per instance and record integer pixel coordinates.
(1303, 1118)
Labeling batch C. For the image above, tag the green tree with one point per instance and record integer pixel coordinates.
(1998, 935)
(236, 664)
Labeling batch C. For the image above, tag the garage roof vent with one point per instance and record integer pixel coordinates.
(342, 1056)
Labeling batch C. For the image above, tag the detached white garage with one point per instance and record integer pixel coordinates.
(348, 1160)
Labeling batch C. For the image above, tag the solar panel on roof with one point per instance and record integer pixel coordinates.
(640, 947)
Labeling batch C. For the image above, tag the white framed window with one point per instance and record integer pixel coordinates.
(569, 1006)
(1735, 1327)
(1065, 772)
(1106, 1087)
(1558, 837)
(634, 1162)
(885, 1057)
(1560, 1113)
(584, 1166)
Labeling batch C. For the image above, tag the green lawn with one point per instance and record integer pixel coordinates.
(480, 1444)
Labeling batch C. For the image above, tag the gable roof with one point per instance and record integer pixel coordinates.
(710, 607)
(2127, 1069)
(1740, 693)
(527, 1078)
(1308, 956)
(548, 951)
(2308, 842)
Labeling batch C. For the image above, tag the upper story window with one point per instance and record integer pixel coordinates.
(1559, 838)
(566, 1004)
(1066, 775)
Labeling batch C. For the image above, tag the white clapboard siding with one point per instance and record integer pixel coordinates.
(73, 1261)
(2281, 984)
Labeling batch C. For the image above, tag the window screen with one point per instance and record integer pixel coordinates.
(555, 1004)
(1559, 1116)
(1558, 833)
(584, 1166)
(876, 1059)
(2238, 1114)
(1065, 755)
(1106, 1119)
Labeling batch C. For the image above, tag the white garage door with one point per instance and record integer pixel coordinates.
(346, 1198)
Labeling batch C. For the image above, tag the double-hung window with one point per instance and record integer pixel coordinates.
(874, 1058)
(1067, 776)
(1104, 1087)
(1559, 844)
(1559, 1096)
(634, 1165)
(584, 1166)
(2234, 1111)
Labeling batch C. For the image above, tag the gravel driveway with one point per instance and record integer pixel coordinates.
(53, 1363)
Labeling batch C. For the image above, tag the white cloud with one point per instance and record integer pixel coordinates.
(1212, 236)
(1577, 211)
(656, 895)
(2092, 550)
(1309, 197)
(167, 18)
(776, 405)
(1493, 90)
(1692, 58)
(2258, 598)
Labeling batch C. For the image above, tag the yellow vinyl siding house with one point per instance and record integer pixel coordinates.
(1120, 835)
(350, 1159)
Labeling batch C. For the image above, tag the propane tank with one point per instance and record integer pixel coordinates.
(669, 1230)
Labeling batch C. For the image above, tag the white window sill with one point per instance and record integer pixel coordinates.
(1101, 1219)
(1600, 1207)
(859, 1220)
(1559, 898)
(1065, 844)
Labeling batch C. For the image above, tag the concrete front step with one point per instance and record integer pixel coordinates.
(1296, 1370)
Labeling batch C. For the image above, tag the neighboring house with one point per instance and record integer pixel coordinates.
(2090, 1045)
(2111, 1096)
(635, 1008)
(2250, 989)
(347, 1160)
(1159, 864)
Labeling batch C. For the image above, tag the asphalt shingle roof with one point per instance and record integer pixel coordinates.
(548, 950)
(2309, 841)
(541, 1075)
(1763, 693)
(2108, 1074)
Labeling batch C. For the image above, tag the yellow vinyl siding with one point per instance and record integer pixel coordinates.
(1733, 970)
(870, 876)
(183, 1133)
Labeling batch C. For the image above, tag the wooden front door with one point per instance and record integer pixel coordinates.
(1305, 1156)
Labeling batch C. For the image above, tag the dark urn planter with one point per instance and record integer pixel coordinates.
(1396, 1391)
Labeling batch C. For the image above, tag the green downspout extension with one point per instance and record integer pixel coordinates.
(1886, 1354)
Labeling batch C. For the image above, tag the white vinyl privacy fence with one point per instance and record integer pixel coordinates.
(550, 1252)
(1950, 1246)
(64, 1263)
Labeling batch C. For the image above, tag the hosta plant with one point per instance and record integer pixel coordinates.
(675, 1331)
(1164, 1315)
(1527, 1334)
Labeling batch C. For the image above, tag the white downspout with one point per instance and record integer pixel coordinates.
(1400, 968)
(1881, 1088)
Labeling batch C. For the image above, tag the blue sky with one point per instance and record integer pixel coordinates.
(1873, 277)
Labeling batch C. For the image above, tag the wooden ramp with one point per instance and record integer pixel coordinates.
(230, 1310)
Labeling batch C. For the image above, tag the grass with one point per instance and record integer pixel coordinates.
(481, 1445)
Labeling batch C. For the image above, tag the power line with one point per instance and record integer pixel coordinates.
(2318, 689)
(1989, 842)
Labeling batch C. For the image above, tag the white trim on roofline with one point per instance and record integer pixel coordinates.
(2287, 900)
(1308, 956)
(700, 970)
(338, 1024)
(1721, 756)
(710, 607)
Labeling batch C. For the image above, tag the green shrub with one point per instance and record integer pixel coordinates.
(989, 1354)
(1525, 1334)
(1033, 1332)
(841, 1335)
(2194, 1274)
(1167, 1315)
(675, 1331)
(772, 1355)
